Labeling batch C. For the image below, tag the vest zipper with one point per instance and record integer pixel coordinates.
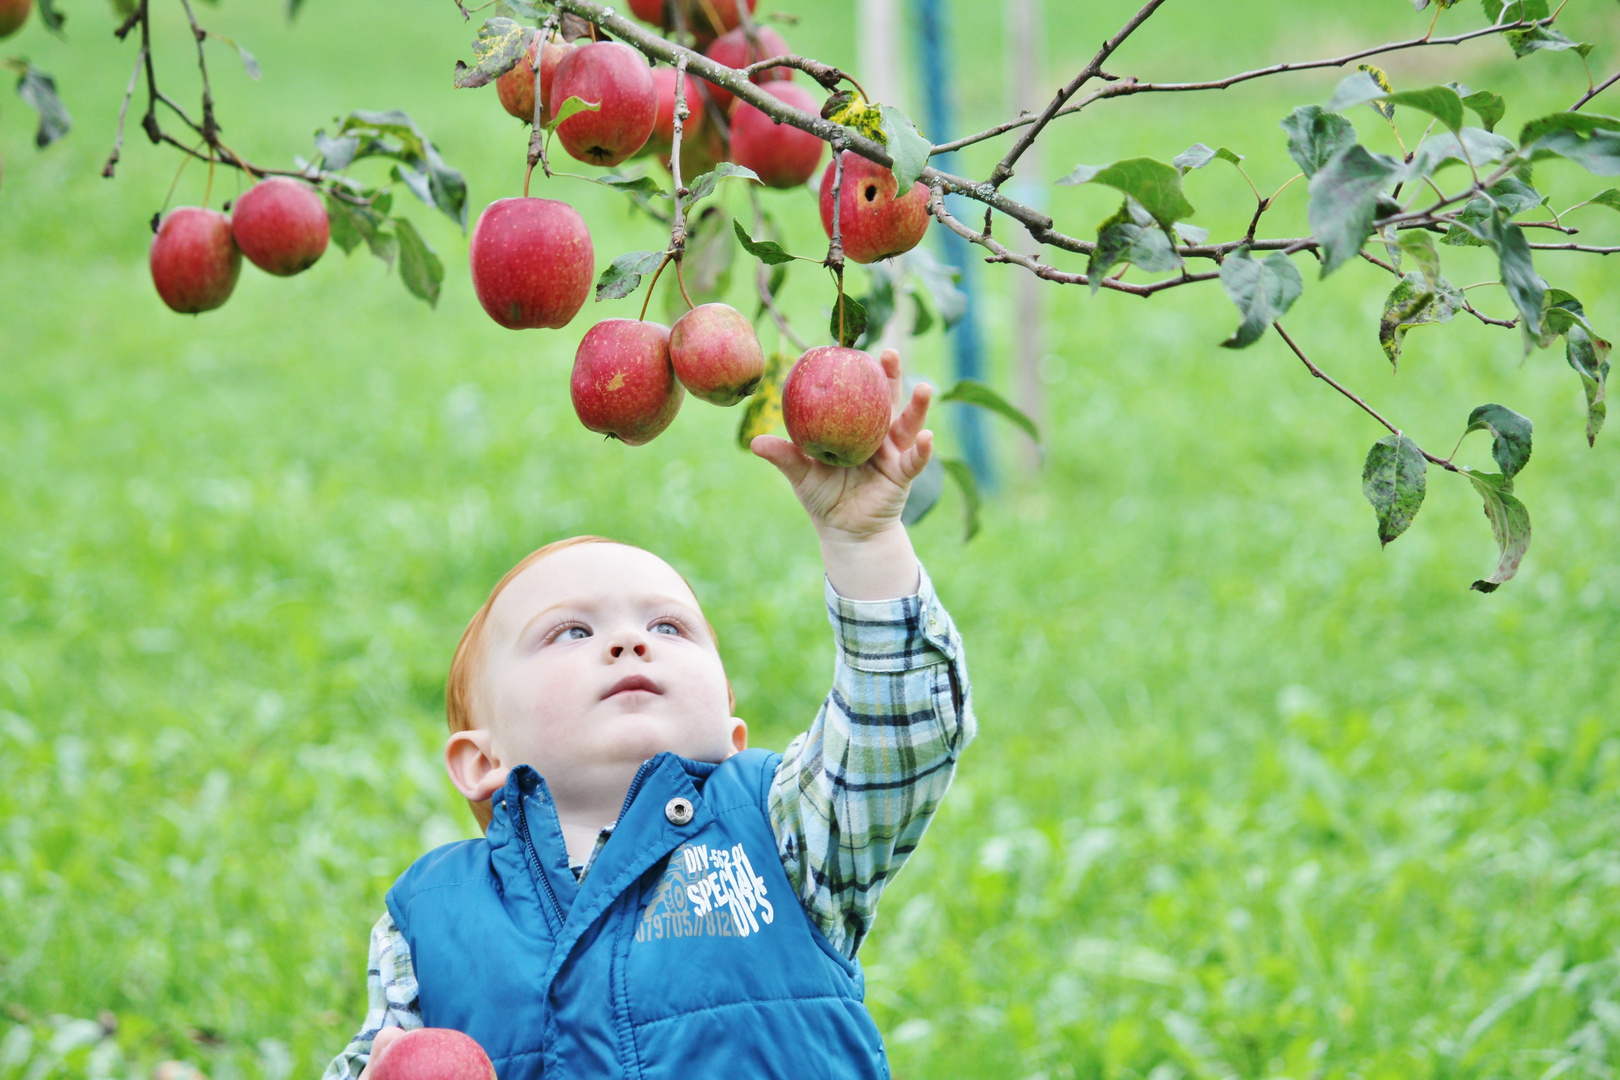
(635, 786)
(534, 860)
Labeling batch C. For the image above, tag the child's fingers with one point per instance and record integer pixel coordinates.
(913, 461)
(384, 1037)
(784, 455)
(891, 367)
(911, 419)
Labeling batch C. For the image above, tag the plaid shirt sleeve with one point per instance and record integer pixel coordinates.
(391, 998)
(853, 794)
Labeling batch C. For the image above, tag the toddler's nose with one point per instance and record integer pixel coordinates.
(639, 648)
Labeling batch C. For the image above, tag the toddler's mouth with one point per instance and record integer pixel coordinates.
(633, 682)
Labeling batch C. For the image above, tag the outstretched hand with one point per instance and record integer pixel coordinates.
(856, 511)
(855, 503)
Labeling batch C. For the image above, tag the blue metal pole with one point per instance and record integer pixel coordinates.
(965, 344)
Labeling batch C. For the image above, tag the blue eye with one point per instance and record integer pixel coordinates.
(667, 628)
(574, 633)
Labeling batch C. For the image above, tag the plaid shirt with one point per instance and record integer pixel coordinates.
(849, 801)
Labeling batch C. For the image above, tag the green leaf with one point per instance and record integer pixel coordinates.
(419, 265)
(1154, 184)
(1344, 202)
(1490, 107)
(763, 413)
(1471, 144)
(1511, 435)
(644, 186)
(1415, 302)
(704, 185)
(1589, 356)
(906, 147)
(499, 46)
(937, 281)
(1419, 245)
(1593, 146)
(925, 492)
(1579, 122)
(1262, 291)
(250, 63)
(1537, 38)
(52, 18)
(1518, 273)
(1559, 312)
(1130, 235)
(1609, 197)
(1371, 86)
(1510, 525)
(395, 135)
(848, 319)
(1512, 11)
(973, 392)
(39, 90)
(1394, 479)
(768, 252)
(336, 154)
(351, 225)
(571, 108)
(623, 275)
(1316, 136)
(962, 473)
(1198, 155)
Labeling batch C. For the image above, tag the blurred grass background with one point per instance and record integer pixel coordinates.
(1251, 797)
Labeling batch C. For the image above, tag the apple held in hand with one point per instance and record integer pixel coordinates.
(873, 223)
(13, 13)
(781, 155)
(532, 262)
(194, 259)
(616, 77)
(836, 405)
(662, 139)
(716, 354)
(281, 226)
(623, 384)
(734, 50)
(432, 1054)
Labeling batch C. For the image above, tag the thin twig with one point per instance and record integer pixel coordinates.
(1341, 388)
(1589, 249)
(1004, 167)
(210, 126)
(123, 111)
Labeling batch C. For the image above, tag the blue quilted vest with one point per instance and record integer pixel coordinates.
(685, 953)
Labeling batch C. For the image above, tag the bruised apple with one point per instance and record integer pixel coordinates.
(662, 139)
(716, 354)
(623, 384)
(872, 222)
(836, 405)
(195, 261)
(432, 1054)
(281, 226)
(615, 77)
(782, 155)
(734, 50)
(532, 262)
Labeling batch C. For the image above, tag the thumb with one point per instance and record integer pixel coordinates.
(784, 455)
(385, 1038)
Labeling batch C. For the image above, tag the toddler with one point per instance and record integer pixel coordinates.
(651, 898)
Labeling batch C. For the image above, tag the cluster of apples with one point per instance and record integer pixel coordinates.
(533, 262)
(279, 224)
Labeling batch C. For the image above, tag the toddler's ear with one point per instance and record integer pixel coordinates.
(472, 765)
(739, 735)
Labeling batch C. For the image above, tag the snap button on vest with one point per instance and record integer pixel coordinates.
(678, 811)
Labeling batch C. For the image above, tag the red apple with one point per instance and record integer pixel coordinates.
(623, 383)
(734, 50)
(650, 11)
(698, 155)
(782, 155)
(13, 13)
(195, 260)
(663, 133)
(716, 354)
(516, 87)
(873, 223)
(432, 1054)
(711, 18)
(836, 405)
(532, 262)
(281, 226)
(616, 77)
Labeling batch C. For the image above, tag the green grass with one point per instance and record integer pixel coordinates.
(1251, 796)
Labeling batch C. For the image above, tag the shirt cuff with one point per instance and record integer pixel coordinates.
(902, 634)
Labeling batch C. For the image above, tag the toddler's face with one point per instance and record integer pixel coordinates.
(597, 658)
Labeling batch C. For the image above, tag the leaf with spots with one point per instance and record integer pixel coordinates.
(763, 413)
(1510, 435)
(623, 275)
(1394, 479)
(1344, 199)
(1510, 525)
(1415, 302)
(1589, 356)
(1316, 136)
(1263, 291)
(499, 46)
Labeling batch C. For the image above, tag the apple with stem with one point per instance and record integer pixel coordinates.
(194, 260)
(532, 262)
(781, 155)
(616, 78)
(716, 354)
(13, 13)
(623, 383)
(734, 50)
(872, 223)
(836, 404)
(281, 226)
